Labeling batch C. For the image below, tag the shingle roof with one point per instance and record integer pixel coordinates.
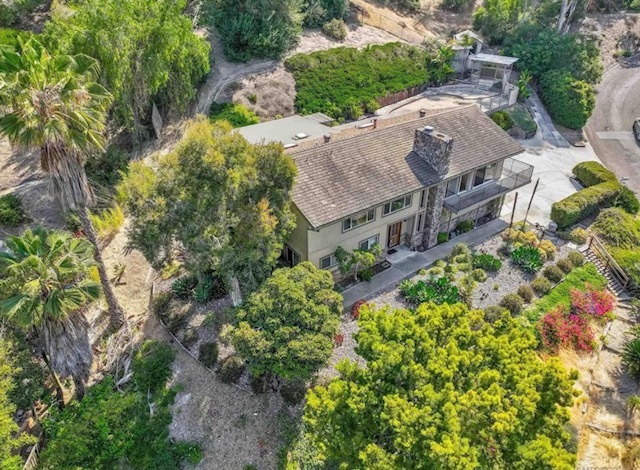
(362, 168)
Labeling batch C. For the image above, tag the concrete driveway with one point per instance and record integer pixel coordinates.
(552, 166)
(609, 128)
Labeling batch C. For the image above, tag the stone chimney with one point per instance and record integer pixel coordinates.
(434, 148)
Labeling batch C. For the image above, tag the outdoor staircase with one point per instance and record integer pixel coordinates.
(612, 282)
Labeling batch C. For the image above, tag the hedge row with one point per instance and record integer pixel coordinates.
(602, 190)
(583, 203)
(592, 173)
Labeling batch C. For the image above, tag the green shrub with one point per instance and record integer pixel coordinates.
(576, 258)
(579, 236)
(293, 391)
(160, 303)
(513, 303)
(584, 203)
(617, 228)
(8, 36)
(494, 312)
(464, 267)
(11, 212)
(341, 81)
(231, 369)
(502, 119)
(461, 249)
(438, 290)
(436, 272)
(318, 12)
(440, 264)
(479, 275)
(170, 269)
(569, 101)
(365, 274)
(335, 29)
(628, 200)
(592, 173)
(527, 258)
(629, 261)
(208, 354)
(464, 226)
(443, 237)
(541, 285)
(526, 292)
(152, 366)
(487, 262)
(189, 337)
(553, 273)
(175, 317)
(235, 114)
(183, 286)
(548, 248)
(107, 223)
(450, 269)
(565, 265)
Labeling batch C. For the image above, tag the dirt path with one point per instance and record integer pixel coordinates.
(607, 431)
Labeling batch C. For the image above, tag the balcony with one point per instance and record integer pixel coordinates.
(515, 174)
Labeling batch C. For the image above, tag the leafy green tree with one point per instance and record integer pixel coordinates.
(540, 50)
(255, 28)
(223, 201)
(9, 444)
(319, 12)
(287, 327)
(495, 19)
(443, 389)
(45, 287)
(357, 260)
(147, 49)
(569, 101)
(54, 105)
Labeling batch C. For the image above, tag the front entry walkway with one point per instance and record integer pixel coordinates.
(411, 264)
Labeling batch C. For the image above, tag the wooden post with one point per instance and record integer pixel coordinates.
(513, 213)
(535, 188)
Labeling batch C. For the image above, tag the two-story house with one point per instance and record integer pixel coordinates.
(398, 181)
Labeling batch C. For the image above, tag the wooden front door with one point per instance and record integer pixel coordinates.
(393, 237)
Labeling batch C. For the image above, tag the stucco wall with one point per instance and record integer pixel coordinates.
(324, 242)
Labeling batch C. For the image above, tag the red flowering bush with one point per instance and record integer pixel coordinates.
(338, 339)
(355, 310)
(560, 328)
(592, 302)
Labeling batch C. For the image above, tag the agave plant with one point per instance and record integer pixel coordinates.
(631, 356)
(527, 258)
(45, 287)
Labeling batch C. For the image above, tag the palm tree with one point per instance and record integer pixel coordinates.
(54, 104)
(45, 287)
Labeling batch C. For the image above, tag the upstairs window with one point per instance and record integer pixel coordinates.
(358, 219)
(397, 205)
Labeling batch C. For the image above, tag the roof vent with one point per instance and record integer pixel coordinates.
(428, 129)
(300, 136)
(327, 137)
(423, 112)
(288, 146)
